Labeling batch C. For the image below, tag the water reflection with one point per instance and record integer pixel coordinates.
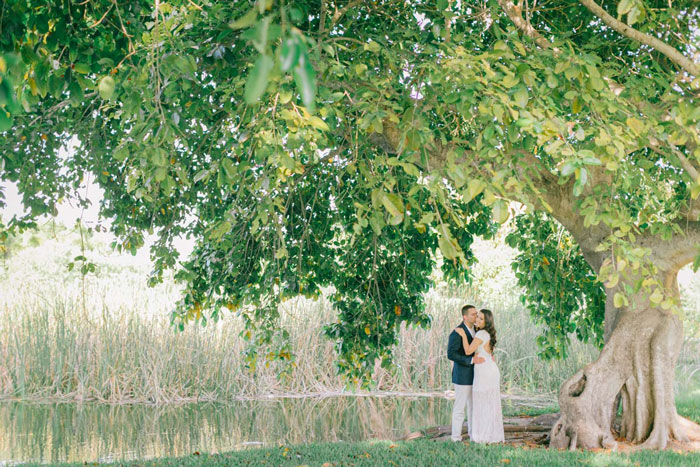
(69, 432)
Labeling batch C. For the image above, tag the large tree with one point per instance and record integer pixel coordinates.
(353, 143)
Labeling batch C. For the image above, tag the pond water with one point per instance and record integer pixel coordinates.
(50, 433)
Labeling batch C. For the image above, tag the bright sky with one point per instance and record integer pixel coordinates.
(69, 213)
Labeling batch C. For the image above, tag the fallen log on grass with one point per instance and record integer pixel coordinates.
(514, 427)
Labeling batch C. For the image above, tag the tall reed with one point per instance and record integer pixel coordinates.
(109, 339)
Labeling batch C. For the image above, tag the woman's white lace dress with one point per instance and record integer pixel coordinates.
(487, 426)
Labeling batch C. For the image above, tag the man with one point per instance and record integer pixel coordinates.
(462, 373)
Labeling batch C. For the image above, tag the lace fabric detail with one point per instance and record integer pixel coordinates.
(487, 426)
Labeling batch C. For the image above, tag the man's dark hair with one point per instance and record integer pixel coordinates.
(465, 309)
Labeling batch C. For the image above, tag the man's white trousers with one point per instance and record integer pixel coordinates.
(463, 405)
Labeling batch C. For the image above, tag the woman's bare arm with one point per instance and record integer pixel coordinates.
(470, 348)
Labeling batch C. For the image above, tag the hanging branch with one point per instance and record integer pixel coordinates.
(514, 12)
(660, 46)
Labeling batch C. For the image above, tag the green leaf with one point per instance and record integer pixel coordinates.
(695, 190)
(257, 79)
(447, 247)
(82, 68)
(635, 15)
(521, 98)
(159, 157)
(377, 223)
(395, 220)
(245, 20)
(305, 79)
(588, 157)
(624, 6)
(474, 187)
(410, 169)
(5, 121)
(576, 105)
(220, 230)
(160, 174)
(260, 37)
(636, 125)
(620, 300)
(567, 168)
(656, 297)
(597, 84)
(500, 211)
(168, 184)
(229, 168)
(489, 198)
(582, 175)
(318, 123)
(578, 187)
(289, 54)
(373, 47)
(612, 280)
(76, 93)
(285, 97)
(201, 175)
(121, 154)
(393, 204)
(106, 87)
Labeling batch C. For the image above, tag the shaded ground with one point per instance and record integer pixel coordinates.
(534, 431)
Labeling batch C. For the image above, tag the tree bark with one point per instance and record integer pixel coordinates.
(637, 364)
(642, 342)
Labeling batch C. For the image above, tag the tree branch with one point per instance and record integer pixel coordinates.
(548, 195)
(685, 162)
(687, 165)
(58, 107)
(322, 19)
(674, 55)
(671, 254)
(340, 12)
(514, 12)
(97, 23)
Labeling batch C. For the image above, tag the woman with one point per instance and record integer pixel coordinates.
(487, 426)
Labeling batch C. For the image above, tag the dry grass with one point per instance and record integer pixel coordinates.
(108, 339)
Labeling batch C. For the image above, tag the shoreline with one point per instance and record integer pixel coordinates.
(545, 400)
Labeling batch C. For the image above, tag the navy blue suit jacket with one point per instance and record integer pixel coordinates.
(463, 368)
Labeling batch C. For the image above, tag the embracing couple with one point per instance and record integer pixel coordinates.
(476, 378)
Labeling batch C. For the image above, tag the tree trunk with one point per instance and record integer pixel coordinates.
(638, 363)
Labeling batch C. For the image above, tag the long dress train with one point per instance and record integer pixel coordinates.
(487, 426)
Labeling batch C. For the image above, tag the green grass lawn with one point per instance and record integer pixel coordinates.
(688, 405)
(421, 453)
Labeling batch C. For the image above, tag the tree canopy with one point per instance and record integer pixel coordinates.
(357, 145)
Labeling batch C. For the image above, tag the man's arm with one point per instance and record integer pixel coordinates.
(453, 346)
